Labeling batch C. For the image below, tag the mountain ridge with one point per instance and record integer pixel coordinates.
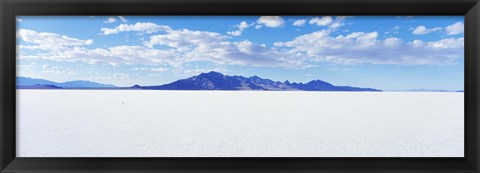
(217, 81)
(204, 81)
(26, 82)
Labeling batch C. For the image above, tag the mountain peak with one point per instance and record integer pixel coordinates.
(210, 74)
(136, 86)
(213, 73)
(319, 82)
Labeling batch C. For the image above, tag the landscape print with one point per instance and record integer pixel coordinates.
(240, 86)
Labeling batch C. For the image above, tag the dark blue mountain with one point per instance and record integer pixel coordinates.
(24, 82)
(217, 81)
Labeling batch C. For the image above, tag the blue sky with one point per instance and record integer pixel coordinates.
(384, 52)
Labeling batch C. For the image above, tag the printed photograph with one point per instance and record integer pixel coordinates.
(240, 86)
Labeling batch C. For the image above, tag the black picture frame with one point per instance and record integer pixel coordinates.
(10, 8)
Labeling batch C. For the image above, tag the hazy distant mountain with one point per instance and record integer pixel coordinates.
(25, 82)
(38, 86)
(428, 90)
(217, 81)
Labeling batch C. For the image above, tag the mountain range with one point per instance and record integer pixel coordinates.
(217, 81)
(204, 81)
(30, 83)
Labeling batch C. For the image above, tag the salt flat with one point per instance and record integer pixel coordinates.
(148, 123)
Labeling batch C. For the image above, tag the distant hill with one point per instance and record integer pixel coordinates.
(38, 86)
(30, 83)
(427, 90)
(217, 81)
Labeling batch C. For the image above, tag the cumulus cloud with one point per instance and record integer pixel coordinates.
(456, 28)
(214, 47)
(271, 21)
(324, 21)
(367, 48)
(110, 20)
(299, 22)
(338, 22)
(141, 27)
(114, 19)
(240, 27)
(184, 39)
(182, 46)
(447, 43)
(422, 30)
(48, 41)
(328, 21)
(113, 56)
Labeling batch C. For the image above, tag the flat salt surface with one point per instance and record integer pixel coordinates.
(139, 123)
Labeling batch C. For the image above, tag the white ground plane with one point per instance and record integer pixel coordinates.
(152, 123)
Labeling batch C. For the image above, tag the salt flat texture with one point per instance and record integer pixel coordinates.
(140, 123)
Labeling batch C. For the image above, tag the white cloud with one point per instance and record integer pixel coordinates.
(159, 69)
(154, 75)
(183, 46)
(456, 28)
(114, 19)
(338, 69)
(195, 71)
(215, 48)
(113, 56)
(338, 22)
(324, 21)
(185, 39)
(422, 30)
(328, 21)
(243, 25)
(271, 21)
(299, 22)
(110, 20)
(48, 41)
(120, 76)
(240, 27)
(234, 33)
(367, 48)
(46, 66)
(141, 27)
(122, 18)
(258, 26)
(19, 20)
(67, 71)
(447, 43)
(393, 30)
